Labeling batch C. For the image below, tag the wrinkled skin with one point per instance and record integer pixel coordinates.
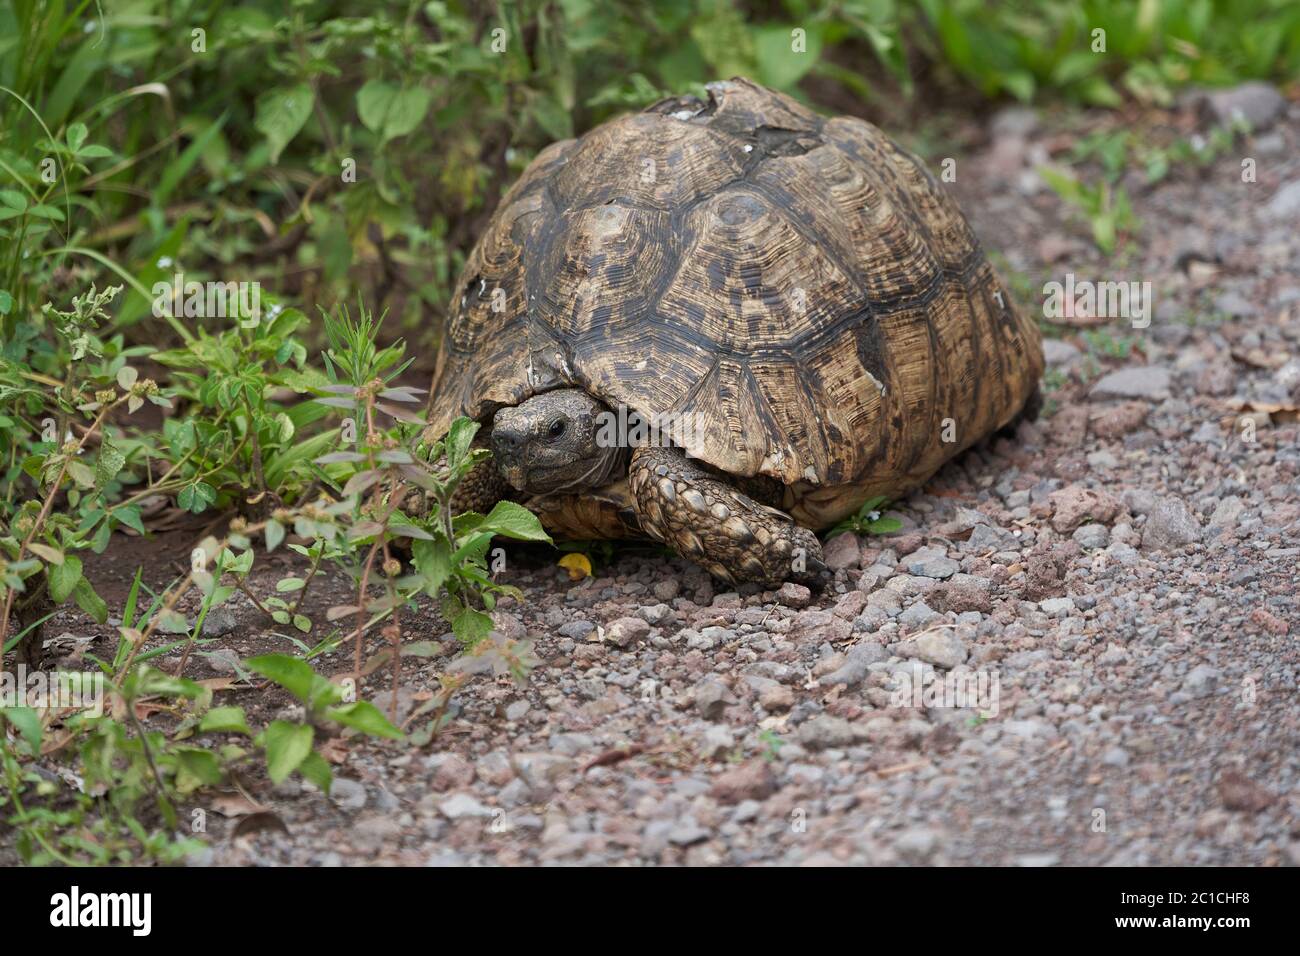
(551, 443)
(548, 444)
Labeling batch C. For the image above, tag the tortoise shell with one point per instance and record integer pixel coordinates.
(800, 287)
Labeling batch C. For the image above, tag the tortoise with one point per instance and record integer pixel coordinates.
(787, 312)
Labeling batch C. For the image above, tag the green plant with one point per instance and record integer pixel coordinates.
(869, 519)
(1105, 207)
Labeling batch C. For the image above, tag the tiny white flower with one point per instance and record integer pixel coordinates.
(165, 262)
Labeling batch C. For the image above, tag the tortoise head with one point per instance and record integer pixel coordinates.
(549, 443)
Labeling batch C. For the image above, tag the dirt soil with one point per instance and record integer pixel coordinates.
(1121, 574)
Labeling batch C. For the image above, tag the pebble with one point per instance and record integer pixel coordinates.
(942, 648)
(1170, 525)
(1143, 381)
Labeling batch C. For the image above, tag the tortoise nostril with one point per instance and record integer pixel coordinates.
(508, 440)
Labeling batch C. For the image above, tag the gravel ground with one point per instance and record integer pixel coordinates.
(1120, 576)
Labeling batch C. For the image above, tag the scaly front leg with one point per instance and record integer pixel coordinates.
(709, 521)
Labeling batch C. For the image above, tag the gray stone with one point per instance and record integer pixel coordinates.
(716, 742)
(1169, 526)
(1142, 381)
(942, 648)
(1201, 681)
(1226, 512)
(1092, 536)
(460, 806)
(1259, 104)
(219, 622)
(1059, 353)
(712, 698)
(1057, 607)
(1285, 204)
(854, 670)
(627, 631)
(918, 615)
(347, 794)
(825, 731)
(933, 566)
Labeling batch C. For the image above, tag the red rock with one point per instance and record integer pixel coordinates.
(1073, 503)
(750, 781)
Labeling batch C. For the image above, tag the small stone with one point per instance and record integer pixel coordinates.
(1116, 421)
(793, 595)
(1058, 353)
(686, 832)
(543, 768)
(1169, 526)
(517, 710)
(825, 732)
(712, 698)
(716, 742)
(450, 772)
(1092, 536)
(654, 614)
(753, 780)
(459, 806)
(1142, 381)
(1285, 204)
(667, 589)
(776, 697)
(918, 615)
(1239, 792)
(1057, 607)
(842, 552)
(219, 622)
(962, 592)
(1075, 503)
(1226, 512)
(1201, 681)
(942, 648)
(1257, 103)
(347, 794)
(916, 845)
(627, 631)
(933, 566)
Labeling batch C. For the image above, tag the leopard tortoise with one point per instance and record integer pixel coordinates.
(787, 312)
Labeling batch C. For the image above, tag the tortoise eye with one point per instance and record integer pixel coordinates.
(557, 428)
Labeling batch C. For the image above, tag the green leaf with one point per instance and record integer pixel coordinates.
(225, 720)
(108, 463)
(365, 717)
(459, 436)
(281, 113)
(274, 534)
(200, 765)
(317, 770)
(76, 135)
(390, 111)
(287, 746)
(90, 602)
(471, 626)
(514, 521)
(64, 578)
(27, 722)
(293, 675)
(433, 560)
